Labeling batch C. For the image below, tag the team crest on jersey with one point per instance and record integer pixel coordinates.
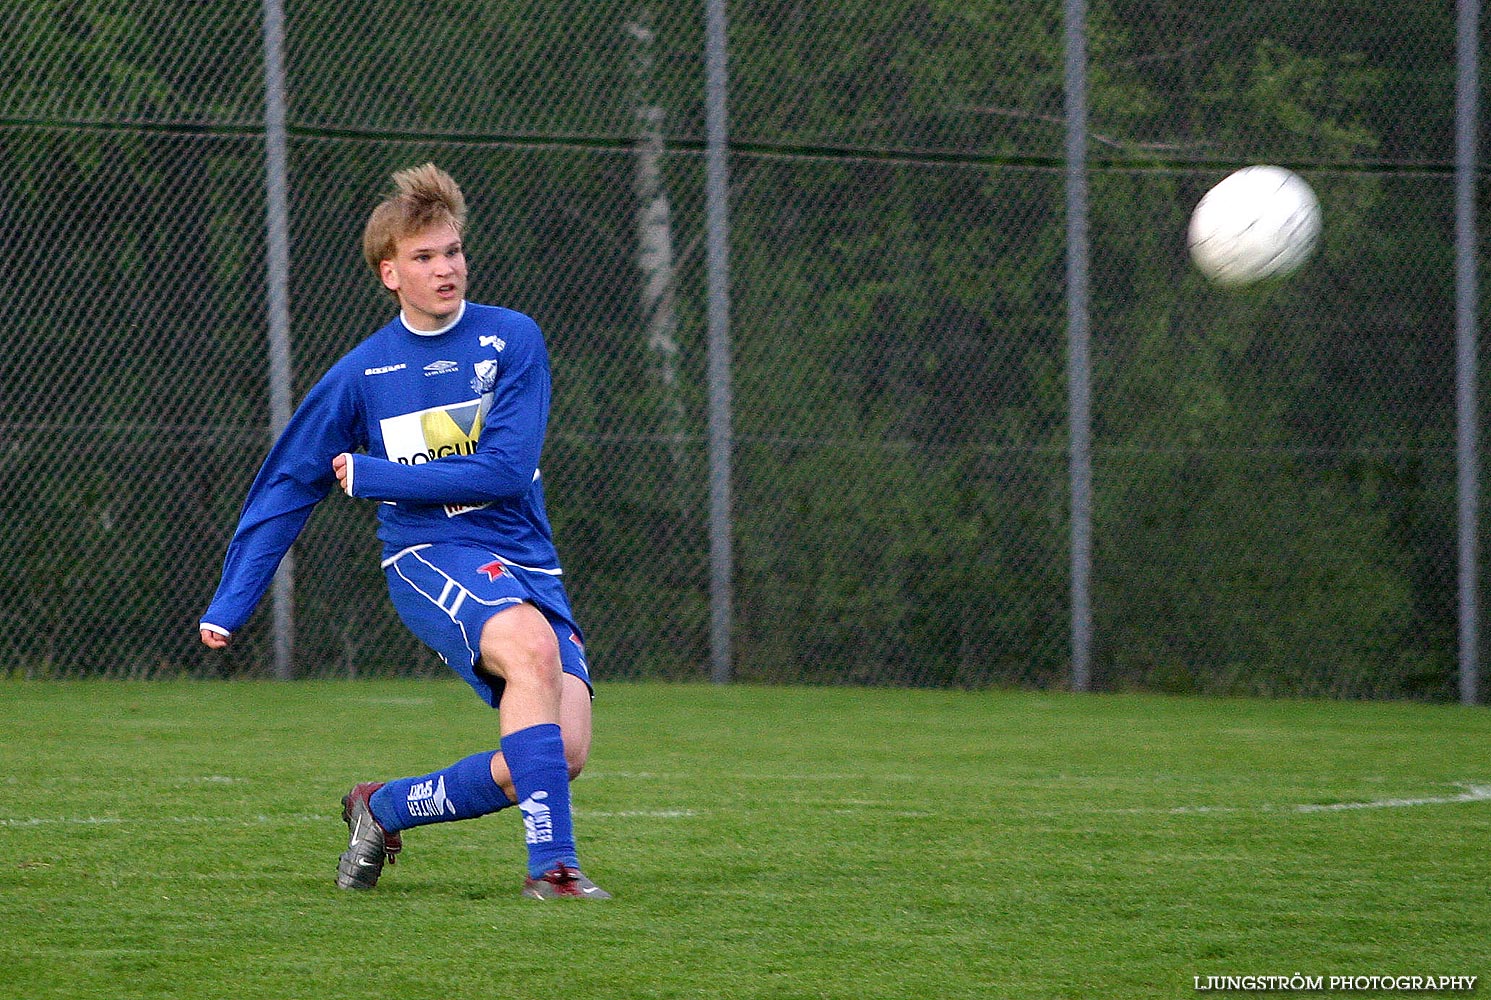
(486, 378)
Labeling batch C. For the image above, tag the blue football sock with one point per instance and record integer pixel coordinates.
(535, 757)
(464, 790)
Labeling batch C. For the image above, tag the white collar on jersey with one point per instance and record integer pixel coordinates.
(433, 333)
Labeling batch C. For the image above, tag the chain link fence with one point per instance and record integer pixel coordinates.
(1273, 469)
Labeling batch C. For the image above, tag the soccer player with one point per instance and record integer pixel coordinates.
(439, 416)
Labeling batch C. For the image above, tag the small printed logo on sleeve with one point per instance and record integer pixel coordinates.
(441, 368)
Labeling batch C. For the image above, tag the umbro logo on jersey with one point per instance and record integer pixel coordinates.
(441, 368)
(385, 369)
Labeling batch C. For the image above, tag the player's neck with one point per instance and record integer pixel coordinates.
(455, 318)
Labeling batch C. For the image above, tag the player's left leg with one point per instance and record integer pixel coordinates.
(574, 728)
(520, 646)
(574, 723)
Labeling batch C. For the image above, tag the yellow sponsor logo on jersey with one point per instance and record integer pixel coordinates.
(423, 436)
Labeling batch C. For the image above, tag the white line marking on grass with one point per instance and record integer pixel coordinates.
(856, 776)
(166, 820)
(292, 818)
(1472, 793)
(849, 807)
(637, 814)
(69, 821)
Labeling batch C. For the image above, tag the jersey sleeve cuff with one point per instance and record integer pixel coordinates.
(209, 627)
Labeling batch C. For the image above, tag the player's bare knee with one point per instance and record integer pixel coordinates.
(527, 672)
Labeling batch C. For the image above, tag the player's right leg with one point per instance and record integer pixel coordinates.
(443, 597)
(457, 601)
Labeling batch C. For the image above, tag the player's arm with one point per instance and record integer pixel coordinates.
(295, 476)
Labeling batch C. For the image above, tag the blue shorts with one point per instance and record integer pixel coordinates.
(446, 593)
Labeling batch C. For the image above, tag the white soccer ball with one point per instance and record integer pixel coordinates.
(1260, 222)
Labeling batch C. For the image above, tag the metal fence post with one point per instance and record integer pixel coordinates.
(1467, 421)
(1079, 364)
(716, 190)
(277, 279)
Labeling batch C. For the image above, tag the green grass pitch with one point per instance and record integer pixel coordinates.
(179, 840)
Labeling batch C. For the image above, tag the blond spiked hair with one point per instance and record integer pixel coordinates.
(423, 196)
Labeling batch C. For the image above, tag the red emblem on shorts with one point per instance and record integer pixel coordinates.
(493, 569)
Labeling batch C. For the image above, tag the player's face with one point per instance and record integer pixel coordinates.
(428, 271)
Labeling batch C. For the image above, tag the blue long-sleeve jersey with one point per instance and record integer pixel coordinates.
(451, 427)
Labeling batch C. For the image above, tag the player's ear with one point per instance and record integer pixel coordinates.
(389, 274)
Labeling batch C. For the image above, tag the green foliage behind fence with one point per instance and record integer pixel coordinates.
(1273, 469)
